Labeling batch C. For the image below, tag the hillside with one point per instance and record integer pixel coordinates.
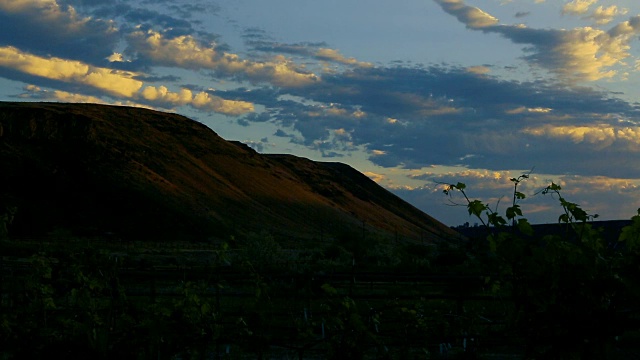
(142, 174)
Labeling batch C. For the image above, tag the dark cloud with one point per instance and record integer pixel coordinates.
(257, 117)
(521, 14)
(331, 154)
(89, 3)
(58, 33)
(159, 21)
(187, 10)
(158, 79)
(440, 115)
(304, 49)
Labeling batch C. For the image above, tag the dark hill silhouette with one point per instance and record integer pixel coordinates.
(142, 174)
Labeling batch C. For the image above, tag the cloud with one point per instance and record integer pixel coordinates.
(259, 41)
(600, 136)
(115, 57)
(438, 115)
(46, 27)
(471, 16)
(36, 93)
(524, 110)
(577, 7)
(374, 176)
(334, 55)
(604, 15)
(186, 52)
(611, 198)
(114, 82)
(201, 100)
(479, 70)
(579, 54)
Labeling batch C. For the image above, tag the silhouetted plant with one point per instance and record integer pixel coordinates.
(566, 289)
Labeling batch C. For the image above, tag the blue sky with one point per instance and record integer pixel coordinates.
(411, 93)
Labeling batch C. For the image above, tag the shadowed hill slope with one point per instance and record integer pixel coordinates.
(143, 174)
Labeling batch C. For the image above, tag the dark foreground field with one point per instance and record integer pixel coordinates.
(250, 298)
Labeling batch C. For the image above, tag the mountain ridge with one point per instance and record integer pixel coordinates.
(145, 173)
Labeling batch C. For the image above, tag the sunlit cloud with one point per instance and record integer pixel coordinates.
(479, 70)
(604, 15)
(340, 132)
(375, 177)
(115, 57)
(600, 136)
(579, 54)
(201, 100)
(335, 111)
(577, 7)
(523, 110)
(115, 82)
(34, 92)
(582, 184)
(480, 178)
(186, 52)
(471, 16)
(334, 55)
(65, 96)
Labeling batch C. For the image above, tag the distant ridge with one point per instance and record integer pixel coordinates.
(610, 230)
(143, 174)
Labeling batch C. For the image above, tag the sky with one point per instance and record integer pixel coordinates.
(414, 94)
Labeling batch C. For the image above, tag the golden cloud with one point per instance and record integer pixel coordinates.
(64, 96)
(604, 15)
(375, 177)
(334, 55)
(577, 7)
(202, 100)
(358, 114)
(341, 132)
(479, 70)
(601, 183)
(601, 136)
(115, 82)
(334, 111)
(588, 54)
(187, 52)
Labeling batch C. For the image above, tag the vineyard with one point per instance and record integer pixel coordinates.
(91, 298)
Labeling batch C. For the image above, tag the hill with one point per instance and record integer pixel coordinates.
(142, 174)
